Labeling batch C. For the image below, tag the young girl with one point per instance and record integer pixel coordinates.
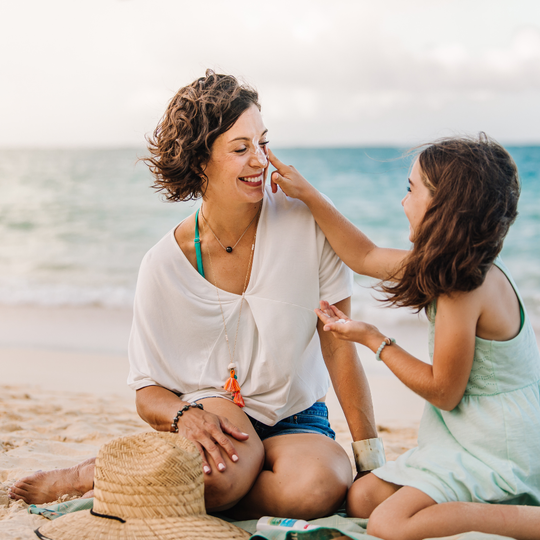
(479, 439)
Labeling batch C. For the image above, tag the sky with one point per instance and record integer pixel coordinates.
(99, 73)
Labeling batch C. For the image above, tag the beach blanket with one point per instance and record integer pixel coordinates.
(331, 527)
(58, 510)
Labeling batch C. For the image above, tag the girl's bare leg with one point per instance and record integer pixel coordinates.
(305, 476)
(410, 514)
(366, 494)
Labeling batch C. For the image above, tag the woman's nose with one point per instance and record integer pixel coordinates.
(261, 157)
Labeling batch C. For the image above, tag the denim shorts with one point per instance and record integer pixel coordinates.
(312, 420)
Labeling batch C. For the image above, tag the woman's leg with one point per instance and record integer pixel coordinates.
(305, 476)
(221, 489)
(410, 514)
(46, 486)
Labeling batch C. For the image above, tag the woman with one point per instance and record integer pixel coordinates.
(226, 300)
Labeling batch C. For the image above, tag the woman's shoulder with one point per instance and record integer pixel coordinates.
(163, 250)
(184, 235)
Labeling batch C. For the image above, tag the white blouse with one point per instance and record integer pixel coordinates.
(178, 340)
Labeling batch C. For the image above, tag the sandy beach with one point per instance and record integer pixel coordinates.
(63, 394)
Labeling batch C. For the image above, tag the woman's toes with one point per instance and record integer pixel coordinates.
(18, 492)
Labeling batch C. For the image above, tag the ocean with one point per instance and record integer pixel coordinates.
(75, 224)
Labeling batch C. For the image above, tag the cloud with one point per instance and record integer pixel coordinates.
(102, 72)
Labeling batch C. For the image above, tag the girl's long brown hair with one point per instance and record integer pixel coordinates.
(475, 189)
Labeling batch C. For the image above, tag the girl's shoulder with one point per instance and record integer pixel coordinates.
(494, 307)
(463, 308)
(501, 317)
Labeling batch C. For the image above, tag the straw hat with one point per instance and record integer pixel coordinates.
(147, 486)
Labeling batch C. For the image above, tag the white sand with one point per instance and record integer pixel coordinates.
(62, 395)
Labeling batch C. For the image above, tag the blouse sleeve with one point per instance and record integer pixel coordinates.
(143, 356)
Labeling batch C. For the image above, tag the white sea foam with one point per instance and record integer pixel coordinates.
(57, 295)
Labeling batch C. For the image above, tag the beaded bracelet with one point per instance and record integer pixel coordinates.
(386, 341)
(193, 405)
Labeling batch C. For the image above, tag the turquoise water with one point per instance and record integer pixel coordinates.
(75, 224)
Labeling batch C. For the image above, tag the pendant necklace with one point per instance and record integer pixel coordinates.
(228, 249)
(232, 384)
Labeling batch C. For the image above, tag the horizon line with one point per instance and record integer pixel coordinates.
(388, 145)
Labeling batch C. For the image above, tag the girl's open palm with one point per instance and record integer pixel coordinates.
(340, 325)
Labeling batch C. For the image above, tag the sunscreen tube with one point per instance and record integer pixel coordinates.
(267, 523)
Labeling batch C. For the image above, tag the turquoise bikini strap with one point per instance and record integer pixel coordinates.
(198, 246)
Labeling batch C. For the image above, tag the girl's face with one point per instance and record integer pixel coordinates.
(417, 200)
(238, 163)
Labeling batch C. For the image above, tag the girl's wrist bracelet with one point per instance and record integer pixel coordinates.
(368, 454)
(193, 405)
(386, 341)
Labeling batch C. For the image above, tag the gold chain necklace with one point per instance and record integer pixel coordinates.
(229, 249)
(232, 385)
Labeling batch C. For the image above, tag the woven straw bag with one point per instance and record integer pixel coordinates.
(148, 486)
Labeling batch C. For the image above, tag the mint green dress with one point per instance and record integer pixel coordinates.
(487, 449)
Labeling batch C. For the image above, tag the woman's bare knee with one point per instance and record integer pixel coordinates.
(313, 491)
(222, 490)
(323, 495)
(311, 497)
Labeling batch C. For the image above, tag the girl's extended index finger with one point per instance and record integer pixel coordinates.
(281, 167)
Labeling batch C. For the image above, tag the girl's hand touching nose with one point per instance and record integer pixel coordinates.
(291, 182)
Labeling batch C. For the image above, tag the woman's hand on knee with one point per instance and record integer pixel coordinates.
(207, 431)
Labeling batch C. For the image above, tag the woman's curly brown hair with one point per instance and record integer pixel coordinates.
(475, 190)
(182, 141)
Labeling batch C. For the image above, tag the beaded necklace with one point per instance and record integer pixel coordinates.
(232, 385)
(228, 249)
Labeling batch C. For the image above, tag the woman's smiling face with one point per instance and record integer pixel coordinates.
(238, 163)
(417, 200)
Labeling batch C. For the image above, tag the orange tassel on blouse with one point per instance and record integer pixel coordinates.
(232, 386)
(238, 399)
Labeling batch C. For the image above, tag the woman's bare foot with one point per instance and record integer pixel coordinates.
(46, 486)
